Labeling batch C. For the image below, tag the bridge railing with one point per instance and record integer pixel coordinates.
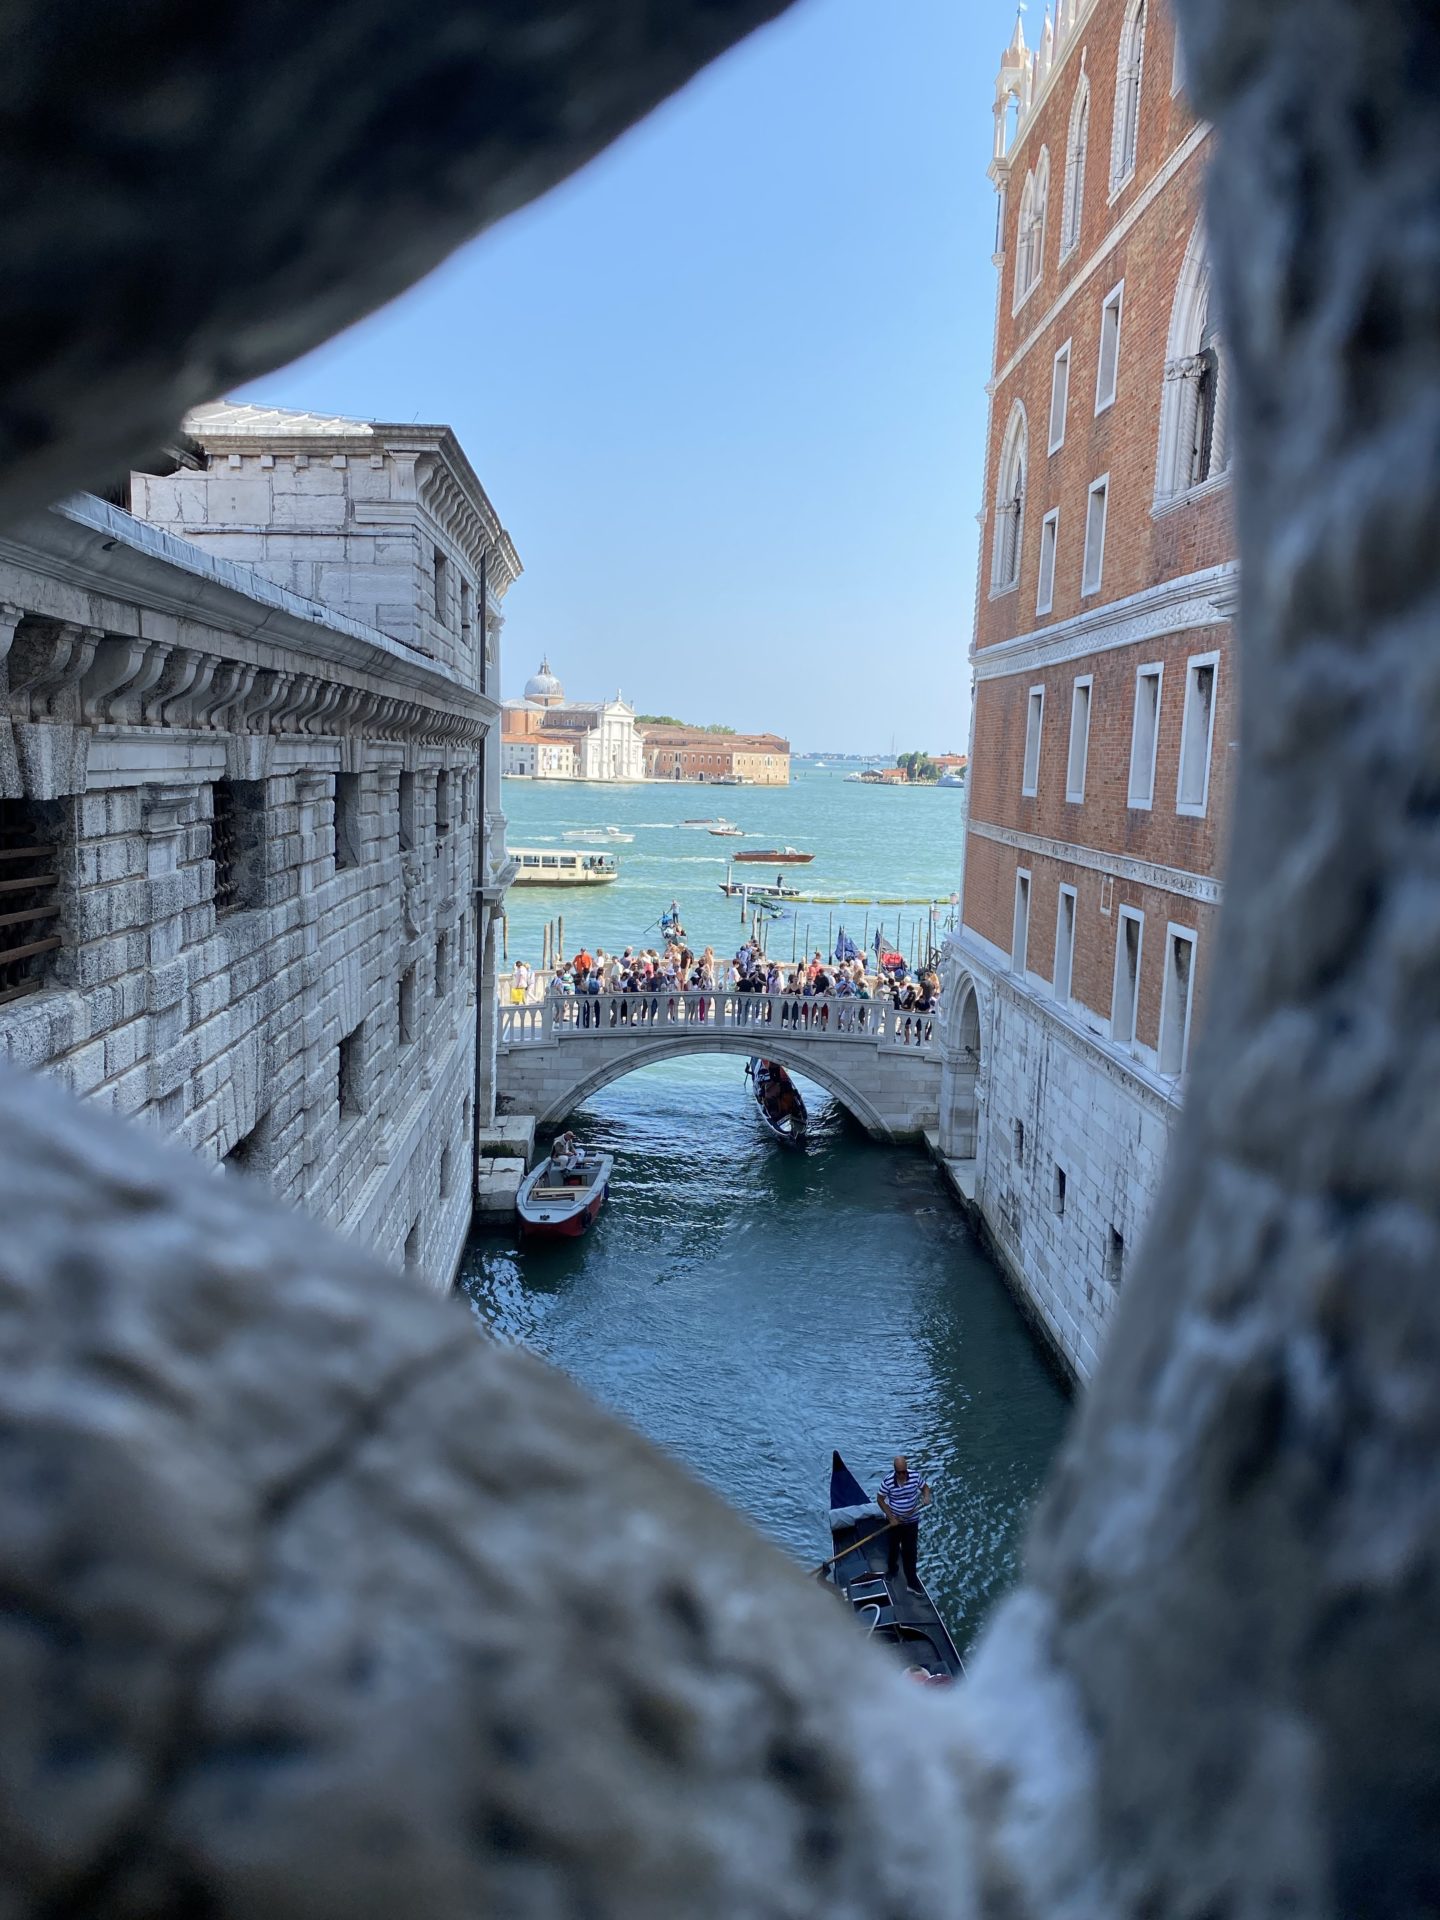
(823, 1020)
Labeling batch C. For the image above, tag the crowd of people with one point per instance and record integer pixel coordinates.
(643, 986)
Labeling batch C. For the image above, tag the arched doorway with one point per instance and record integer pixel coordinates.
(962, 1108)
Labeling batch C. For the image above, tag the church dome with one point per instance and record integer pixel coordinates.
(544, 686)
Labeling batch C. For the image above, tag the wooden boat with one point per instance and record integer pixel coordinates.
(777, 1099)
(909, 1622)
(537, 867)
(559, 1204)
(777, 857)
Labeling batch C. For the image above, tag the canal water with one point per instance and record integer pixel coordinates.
(748, 1308)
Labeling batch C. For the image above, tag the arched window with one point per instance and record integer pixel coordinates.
(1025, 241)
(1010, 505)
(1194, 441)
(1040, 214)
(1077, 149)
(1125, 139)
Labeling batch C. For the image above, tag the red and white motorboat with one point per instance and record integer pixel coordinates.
(558, 1201)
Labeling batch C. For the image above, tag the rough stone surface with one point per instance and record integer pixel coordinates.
(316, 1606)
(191, 198)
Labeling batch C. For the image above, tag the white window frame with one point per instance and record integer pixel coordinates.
(1075, 789)
(1150, 670)
(1124, 916)
(1066, 893)
(1077, 153)
(1088, 586)
(1049, 547)
(1061, 354)
(1015, 447)
(1020, 925)
(1030, 766)
(1123, 164)
(1114, 301)
(1196, 809)
(1174, 932)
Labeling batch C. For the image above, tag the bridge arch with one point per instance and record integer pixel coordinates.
(822, 1064)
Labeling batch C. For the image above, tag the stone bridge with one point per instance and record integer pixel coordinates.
(881, 1064)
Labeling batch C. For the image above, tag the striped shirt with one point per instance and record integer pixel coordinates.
(904, 1500)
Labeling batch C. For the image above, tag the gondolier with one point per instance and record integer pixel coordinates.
(901, 1497)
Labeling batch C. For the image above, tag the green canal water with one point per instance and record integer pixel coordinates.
(750, 1309)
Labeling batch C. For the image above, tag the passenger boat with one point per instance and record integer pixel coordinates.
(759, 890)
(909, 1622)
(556, 1204)
(711, 826)
(776, 856)
(778, 1100)
(541, 867)
(601, 836)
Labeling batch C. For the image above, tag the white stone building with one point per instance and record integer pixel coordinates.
(253, 843)
(547, 737)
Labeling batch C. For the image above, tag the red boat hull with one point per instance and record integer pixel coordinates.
(570, 1229)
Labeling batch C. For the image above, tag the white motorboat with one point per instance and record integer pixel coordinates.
(717, 825)
(601, 836)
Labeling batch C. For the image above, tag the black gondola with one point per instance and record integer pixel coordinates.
(910, 1622)
(778, 1100)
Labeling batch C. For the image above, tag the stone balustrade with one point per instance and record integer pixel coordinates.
(823, 1019)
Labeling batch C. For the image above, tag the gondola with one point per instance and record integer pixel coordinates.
(772, 1086)
(909, 1622)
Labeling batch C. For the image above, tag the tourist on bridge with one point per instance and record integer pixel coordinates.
(902, 1495)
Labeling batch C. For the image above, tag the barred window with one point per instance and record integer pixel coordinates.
(29, 908)
(349, 842)
(237, 844)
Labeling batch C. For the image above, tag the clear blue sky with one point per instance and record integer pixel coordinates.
(725, 388)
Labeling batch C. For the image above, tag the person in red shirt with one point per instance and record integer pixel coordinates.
(582, 963)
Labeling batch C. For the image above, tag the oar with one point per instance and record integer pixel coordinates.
(824, 1565)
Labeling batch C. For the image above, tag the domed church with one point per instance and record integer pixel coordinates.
(544, 736)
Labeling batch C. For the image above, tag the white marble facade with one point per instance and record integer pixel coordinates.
(273, 818)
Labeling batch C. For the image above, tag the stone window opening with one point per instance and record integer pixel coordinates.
(237, 844)
(465, 1114)
(1020, 932)
(1145, 736)
(252, 1152)
(447, 1171)
(1010, 507)
(407, 1024)
(1205, 438)
(1059, 396)
(1057, 1188)
(1096, 512)
(1115, 1257)
(1064, 946)
(1034, 722)
(350, 1073)
(1077, 150)
(1125, 138)
(349, 841)
(442, 966)
(1194, 441)
(1197, 734)
(412, 1246)
(467, 612)
(1078, 759)
(1049, 540)
(29, 906)
(1175, 1000)
(1125, 999)
(442, 803)
(1018, 1143)
(1107, 372)
(407, 813)
(441, 575)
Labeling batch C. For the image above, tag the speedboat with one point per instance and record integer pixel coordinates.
(886, 1608)
(602, 836)
(559, 1201)
(711, 826)
(777, 1098)
(728, 833)
(777, 856)
(766, 890)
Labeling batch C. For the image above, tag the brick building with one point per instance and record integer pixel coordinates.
(250, 841)
(690, 753)
(1104, 712)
